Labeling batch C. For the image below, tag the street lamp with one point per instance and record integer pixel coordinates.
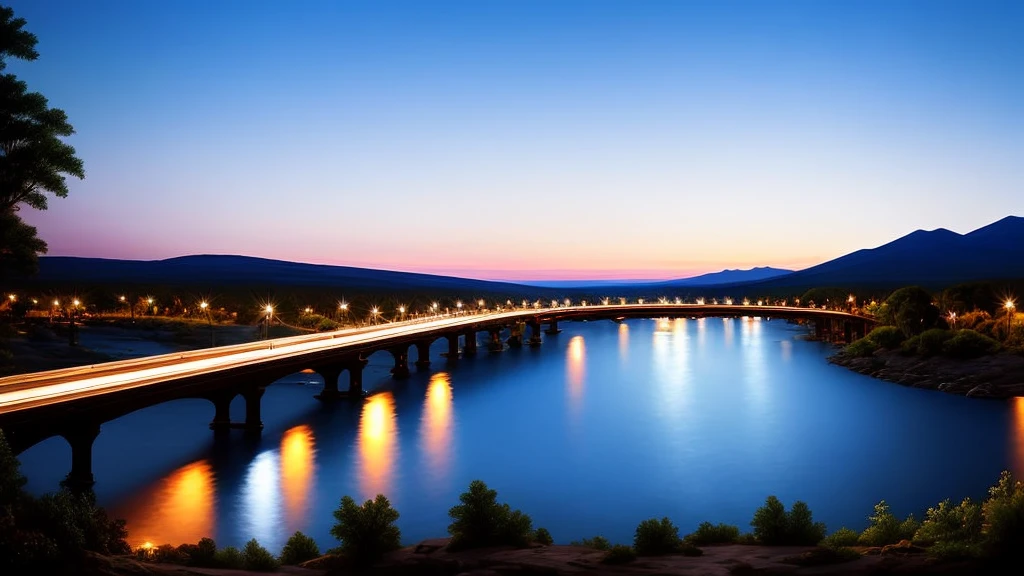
(401, 312)
(459, 305)
(269, 311)
(205, 307)
(1009, 305)
(952, 319)
(373, 314)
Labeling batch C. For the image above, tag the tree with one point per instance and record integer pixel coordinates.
(34, 159)
(911, 310)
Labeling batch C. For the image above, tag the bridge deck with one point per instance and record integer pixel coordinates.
(27, 391)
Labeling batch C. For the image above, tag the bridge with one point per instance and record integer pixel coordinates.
(75, 402)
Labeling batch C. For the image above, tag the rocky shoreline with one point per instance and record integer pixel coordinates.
(431, 558)
(994, 376)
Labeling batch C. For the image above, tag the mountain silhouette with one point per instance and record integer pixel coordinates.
(935, 258)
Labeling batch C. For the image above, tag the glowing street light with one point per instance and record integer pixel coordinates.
(205, 307)
(700, 301)
(76, 302)
(952, 319)
(605, 301)
(1009, 305)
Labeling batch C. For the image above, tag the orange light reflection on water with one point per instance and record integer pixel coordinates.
(1017, 433)
(378, 445)
(176, 510)
(575, 356)
(436, 425)
(298, 467)
(623, 341)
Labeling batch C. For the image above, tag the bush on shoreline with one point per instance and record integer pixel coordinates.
(366, 532)
(479, 520)
(773, 526)
(886, 528)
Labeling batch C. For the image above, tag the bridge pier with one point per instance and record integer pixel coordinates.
(819, 329)
(495, 344)
(253, 419)
(222, 411)
(470, 348)
(453, 348)
(552, 327)
(516, 338)
(81, 438)
(330, 374)
(355, 378)
(401, 369)
(422, 354)
(535, 329)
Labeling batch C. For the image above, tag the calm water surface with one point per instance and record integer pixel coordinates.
(603, 426)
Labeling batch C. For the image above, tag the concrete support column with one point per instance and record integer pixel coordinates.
(401, 369)
(222, 410)
(453, 348)
(552, 327)
(330, 375)
(848, 332)
(81, 438)
(516, 338)
(355, 378)
(422, 354)
(535, 339)
(495, 344)
(470, 347)
(253, 419)
(819, 329)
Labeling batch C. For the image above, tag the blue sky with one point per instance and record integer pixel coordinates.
(528, 139)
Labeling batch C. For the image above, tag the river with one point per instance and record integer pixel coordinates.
(602, 426)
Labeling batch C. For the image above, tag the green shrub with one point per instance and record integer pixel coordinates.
(888, 337)
(1003, 514)
(885, 528)
(708, 533)
(769, 522)
(773, 526)
(542, 536)
(950, 551)
(969, 344)
(861, 348)
(802, 529)
(949, 523)
(298, 549)
(747, 539)
(74, 522)
(911, 345)
(479, 520)
(168, 554)
(619, 554)
(931, 342)
(258, 558)
(229, 557)
(654, 537)
(366, 532)
(205, 553)
(840, 538)
(597, 543)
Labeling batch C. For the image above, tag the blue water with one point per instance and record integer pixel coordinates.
(603, 426)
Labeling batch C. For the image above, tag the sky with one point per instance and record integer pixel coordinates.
(529, 139)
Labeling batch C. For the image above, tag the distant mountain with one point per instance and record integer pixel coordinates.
(935, 258)
(728, 277)
(217, 270)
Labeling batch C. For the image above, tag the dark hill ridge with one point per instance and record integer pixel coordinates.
(728, 277)
(226, 270)
(935, 258)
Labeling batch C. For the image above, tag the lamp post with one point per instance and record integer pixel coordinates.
(952, 320)
(373, 315)
(1009, 315)
(149, 305)
(343, 310)
(269, 311)
(205, 307)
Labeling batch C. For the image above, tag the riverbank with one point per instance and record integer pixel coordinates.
(431, 558)
(998, 375)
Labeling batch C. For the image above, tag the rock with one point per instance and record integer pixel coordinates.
(901, 547)
(980, 391)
